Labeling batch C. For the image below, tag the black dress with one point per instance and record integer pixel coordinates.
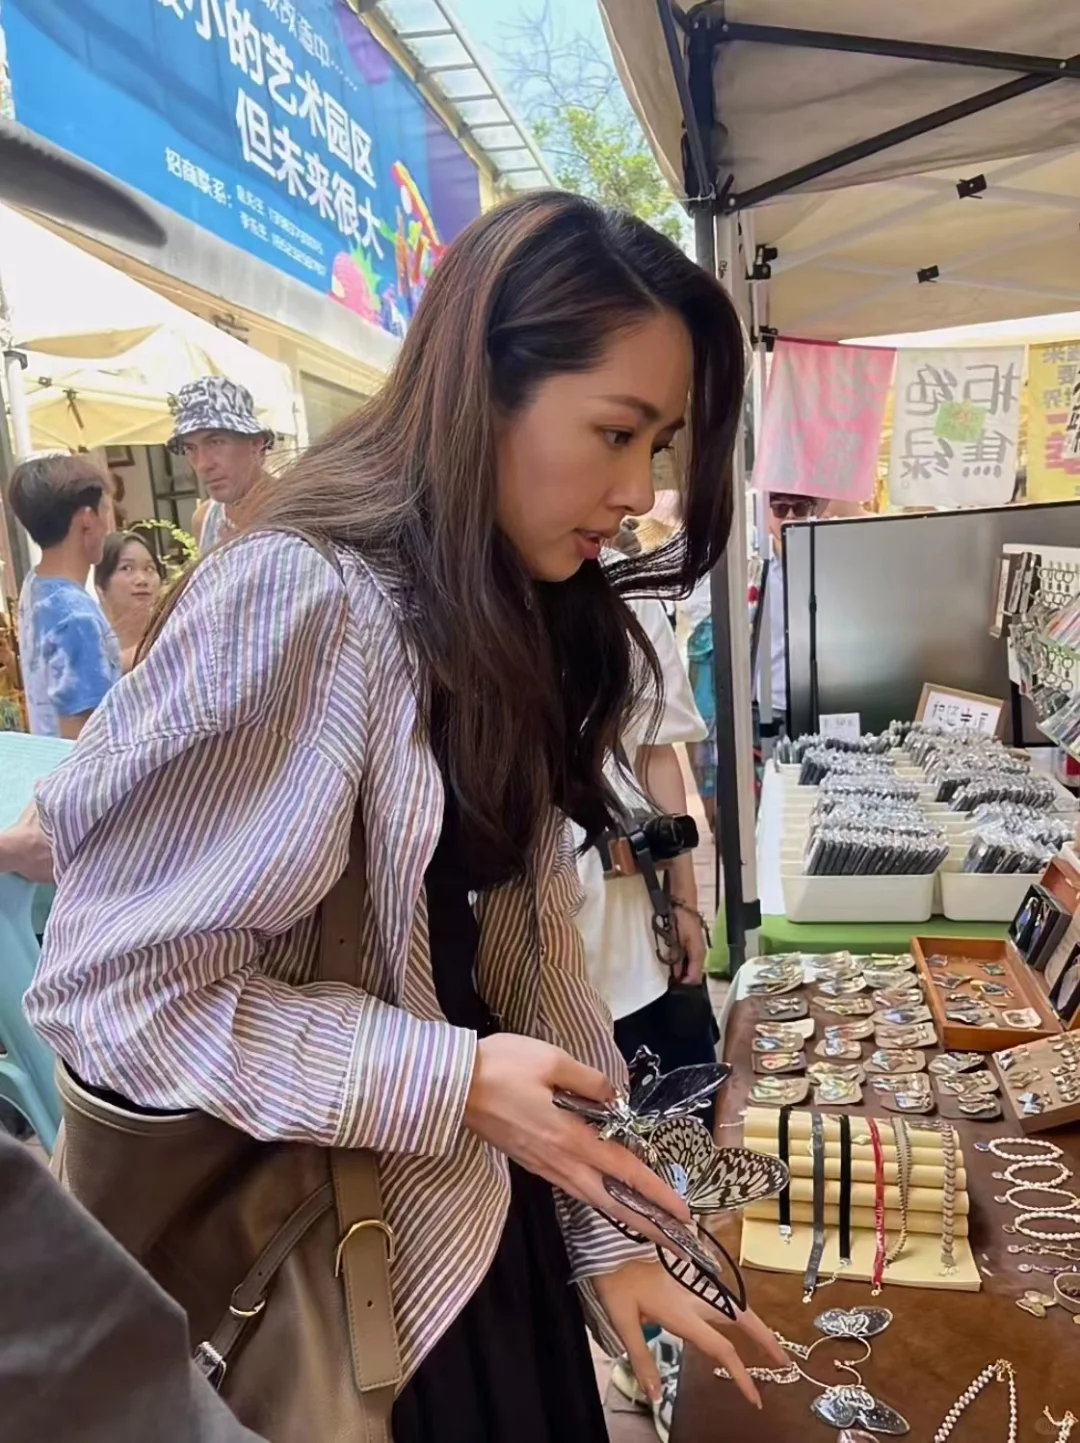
(514, 1366)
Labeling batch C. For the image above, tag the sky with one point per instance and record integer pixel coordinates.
(488, 21)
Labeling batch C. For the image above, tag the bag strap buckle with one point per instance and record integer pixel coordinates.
(211, 1364)
(383, 1227)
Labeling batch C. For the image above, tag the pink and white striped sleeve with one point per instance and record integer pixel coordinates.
(203, 816)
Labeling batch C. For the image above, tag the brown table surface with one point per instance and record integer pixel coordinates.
(938, 1342)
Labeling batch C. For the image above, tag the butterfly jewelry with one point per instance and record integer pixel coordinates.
(783, 1009)
(843, 1006)
(712, 1179)
(696, 1259)
(849, 1403)
(653, 1097)
(949, 1064)
(903, 1016)
(853, 1322)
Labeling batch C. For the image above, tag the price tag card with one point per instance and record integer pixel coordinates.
(952, 709)
(840, 725)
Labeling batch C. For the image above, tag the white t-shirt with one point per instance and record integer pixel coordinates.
(615, 920)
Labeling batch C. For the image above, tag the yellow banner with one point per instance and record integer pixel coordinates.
(1051, 373)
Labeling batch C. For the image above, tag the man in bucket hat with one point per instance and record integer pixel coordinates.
(219, 434)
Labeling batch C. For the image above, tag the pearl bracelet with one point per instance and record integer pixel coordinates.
(1017, 1226)
(1037, 1187)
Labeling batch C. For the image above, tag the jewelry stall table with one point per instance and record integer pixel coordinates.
(939, 1340)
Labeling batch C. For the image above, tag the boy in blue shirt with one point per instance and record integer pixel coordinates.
(70, 655)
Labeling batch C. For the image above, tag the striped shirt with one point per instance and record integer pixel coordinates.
(202, 818)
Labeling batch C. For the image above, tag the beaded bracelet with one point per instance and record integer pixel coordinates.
(994, 1146)
(1017, 1226)
(1070, 1207)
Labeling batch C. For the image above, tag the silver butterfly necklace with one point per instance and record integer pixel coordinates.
(851, 1408)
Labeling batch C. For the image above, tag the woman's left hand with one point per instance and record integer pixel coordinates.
(640, 1293)
(691, 933)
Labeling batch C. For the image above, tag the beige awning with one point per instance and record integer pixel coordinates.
(105, 354)
(852, 242)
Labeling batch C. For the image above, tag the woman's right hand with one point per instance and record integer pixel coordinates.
(510, 1106)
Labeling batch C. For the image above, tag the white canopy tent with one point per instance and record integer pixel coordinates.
(800, 103)
(105, 354)
(855, 169)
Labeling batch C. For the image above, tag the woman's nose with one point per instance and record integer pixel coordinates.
(635, 493)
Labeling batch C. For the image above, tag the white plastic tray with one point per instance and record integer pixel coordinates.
(983, 897)
(855, 899)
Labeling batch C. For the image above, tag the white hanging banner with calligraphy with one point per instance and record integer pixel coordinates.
(955, 427)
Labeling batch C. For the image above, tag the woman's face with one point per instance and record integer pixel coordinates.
(135, 584)
(578, 457)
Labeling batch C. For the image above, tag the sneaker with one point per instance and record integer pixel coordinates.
(664, 1411)
(667, 1350)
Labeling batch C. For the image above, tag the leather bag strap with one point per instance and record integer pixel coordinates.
(366, 1245)
(249, 1299)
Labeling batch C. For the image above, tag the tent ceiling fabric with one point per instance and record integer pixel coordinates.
(106, 353)
(851, 242)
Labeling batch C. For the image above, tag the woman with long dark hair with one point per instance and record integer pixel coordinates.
(412, 658)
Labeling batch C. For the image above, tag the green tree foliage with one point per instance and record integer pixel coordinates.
(567, 89)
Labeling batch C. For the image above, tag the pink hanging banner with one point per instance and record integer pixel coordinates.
(821, 428)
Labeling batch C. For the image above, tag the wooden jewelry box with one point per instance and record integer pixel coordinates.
(1032, 1070)
(1029, 985)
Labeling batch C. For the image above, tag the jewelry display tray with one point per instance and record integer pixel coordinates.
(1042, 1054)
(920, 1264)
(965, 954)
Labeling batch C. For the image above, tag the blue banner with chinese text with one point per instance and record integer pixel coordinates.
(279, 125)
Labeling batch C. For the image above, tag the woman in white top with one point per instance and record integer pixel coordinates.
(616, 918)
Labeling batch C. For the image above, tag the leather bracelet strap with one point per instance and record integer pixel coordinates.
(817, 1246)
(845, 1190)
(783, 1135)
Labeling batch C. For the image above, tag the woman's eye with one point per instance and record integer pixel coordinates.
(618, 438)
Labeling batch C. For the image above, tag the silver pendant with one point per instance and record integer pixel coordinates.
(853, 1322)
(850, 1403)
(855, 1435)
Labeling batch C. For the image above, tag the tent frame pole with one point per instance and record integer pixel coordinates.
(1035, 72)
(1056, 69)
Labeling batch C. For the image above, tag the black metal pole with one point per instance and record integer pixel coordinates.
(815, 700)
(727, 831)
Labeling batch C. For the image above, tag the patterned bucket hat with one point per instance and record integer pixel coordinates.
(215, 403)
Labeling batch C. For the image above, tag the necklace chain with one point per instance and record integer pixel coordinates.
(1002, 1372)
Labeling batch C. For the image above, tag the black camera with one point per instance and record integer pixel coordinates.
(668, 837)
(655, 839)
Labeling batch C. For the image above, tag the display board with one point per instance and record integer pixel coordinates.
(900, 600)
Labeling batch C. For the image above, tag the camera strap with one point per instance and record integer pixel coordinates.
(669, 948)
(663, 913)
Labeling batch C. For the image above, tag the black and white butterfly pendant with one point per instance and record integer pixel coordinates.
(708, 1178)
(705, 1266)
(653, 1098)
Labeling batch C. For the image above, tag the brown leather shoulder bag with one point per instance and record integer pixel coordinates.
(277, 1251)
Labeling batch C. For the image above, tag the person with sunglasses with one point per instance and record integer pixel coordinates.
(784, 507)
